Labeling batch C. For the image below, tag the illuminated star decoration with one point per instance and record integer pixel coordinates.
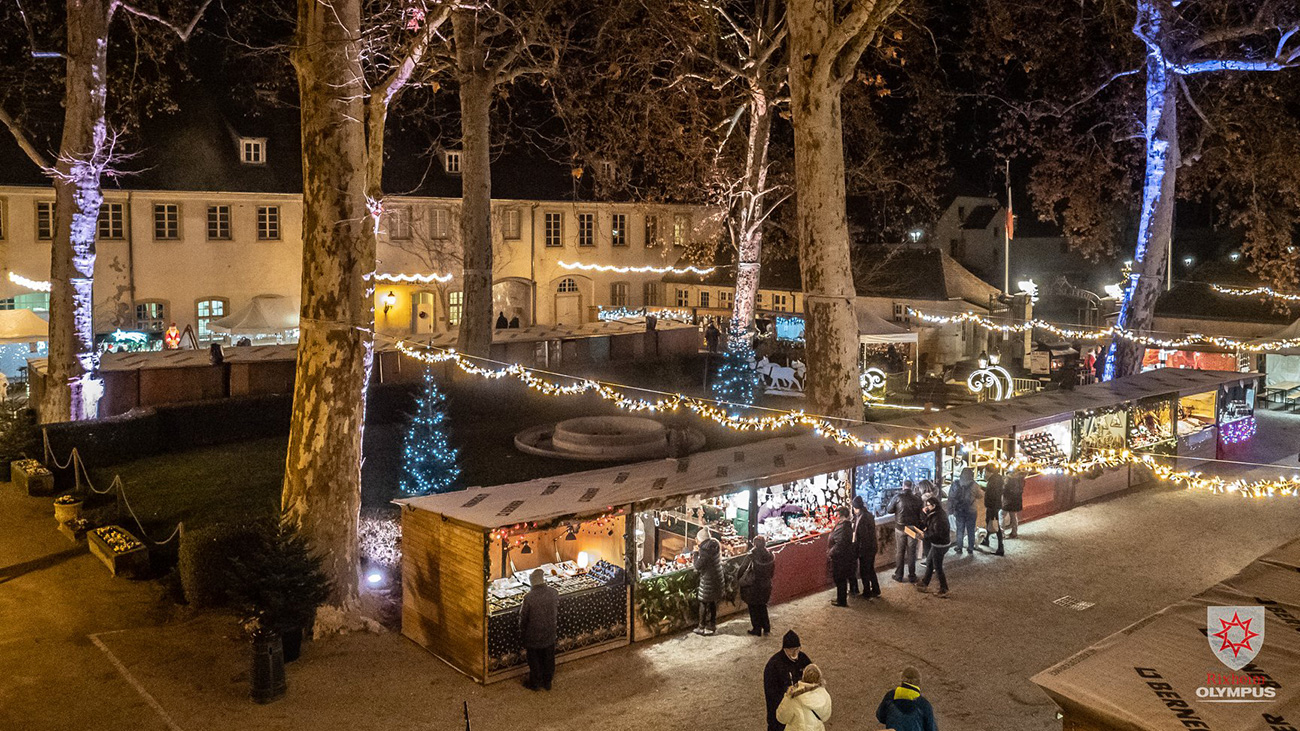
(1246, 634)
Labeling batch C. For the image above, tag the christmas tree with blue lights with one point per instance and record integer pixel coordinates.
(428, 461)
(736, 377)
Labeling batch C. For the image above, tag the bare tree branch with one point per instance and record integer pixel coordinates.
(183, 32)
(23, 141)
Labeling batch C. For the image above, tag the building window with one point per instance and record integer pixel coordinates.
(166, 221)
(45, 220)
(652, 294)
(209, 310)
(510, 220)
(252, 150)
(681, 229)
(618, 294)
(568, 285)
(618, 229)
(112, 221)
(218, 223)
(150, 317)
(586, 229)
(554, 226)
(451, 161)
(683, 298)
(455, 305)
(399, 223)
(779, 302)
(704, 299)
(651, 230)
(758, 300)
(440, 223)
(268, 223)
(724, 298)
(34, 301)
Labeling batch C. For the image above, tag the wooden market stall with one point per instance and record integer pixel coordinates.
(617, 544)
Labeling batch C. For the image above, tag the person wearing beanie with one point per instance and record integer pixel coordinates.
(783, 671)
(708, 564)
(844, 560)
(538, 629)
(807, 705)
(864, 544)
(903, 708)
(756, 586)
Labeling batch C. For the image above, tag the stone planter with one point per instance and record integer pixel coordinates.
(120, 551)
(68, 510)
(31, 476)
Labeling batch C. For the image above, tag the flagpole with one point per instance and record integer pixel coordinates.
(1006, 237)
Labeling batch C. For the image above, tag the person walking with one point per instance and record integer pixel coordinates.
(756, 586)
(994, 488)
(961, 505)
(864, 545)
(1013, 501)
(938, 536)
(843, 556)
(906, 507)
(904, 709)
(708, 564)
(806, 705)
(782, 671)
(711, 337)
(537, 626)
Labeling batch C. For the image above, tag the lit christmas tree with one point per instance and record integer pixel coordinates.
(427, 459)
(736, 377)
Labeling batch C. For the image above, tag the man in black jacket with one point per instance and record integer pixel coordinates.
(906, 507)
(864, 544)
(844, 558)
(783, 670)
(538, 627)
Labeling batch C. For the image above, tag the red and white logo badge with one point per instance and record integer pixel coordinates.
(1235, 634)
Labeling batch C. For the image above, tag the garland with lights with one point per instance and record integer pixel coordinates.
(1264, 346)
(1239, 431)
(1255, 292)
(701, 271)
(412, 278)
(428, 461)
(32, 284)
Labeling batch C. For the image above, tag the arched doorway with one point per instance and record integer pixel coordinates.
(568, 302)
(513, 297)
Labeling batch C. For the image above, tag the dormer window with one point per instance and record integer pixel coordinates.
(252, 150)
(451, 161)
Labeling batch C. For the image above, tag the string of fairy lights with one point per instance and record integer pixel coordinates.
(1255, 292)
(722, 414)
(1107, 333)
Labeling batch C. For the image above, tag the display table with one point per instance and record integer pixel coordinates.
(585, 619)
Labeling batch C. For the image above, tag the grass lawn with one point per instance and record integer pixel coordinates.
(233, 481)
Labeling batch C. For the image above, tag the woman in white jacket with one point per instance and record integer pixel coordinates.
(807, 705)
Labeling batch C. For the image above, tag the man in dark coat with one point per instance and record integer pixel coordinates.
(537, 627)
(903, 708)
(844, 557)
(708, 564)
(906, 507)
(864, 545)
(783, 670)
(756, 586)
(1013, 501)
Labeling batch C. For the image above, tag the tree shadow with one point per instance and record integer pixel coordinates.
(39, 564)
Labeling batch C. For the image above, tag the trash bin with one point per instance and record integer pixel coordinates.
(267, 677)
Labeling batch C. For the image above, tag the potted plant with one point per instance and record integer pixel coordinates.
(279, 584)
(18, 434)
(67, 508)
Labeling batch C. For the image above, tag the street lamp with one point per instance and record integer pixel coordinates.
(915, 235)
(390, 301)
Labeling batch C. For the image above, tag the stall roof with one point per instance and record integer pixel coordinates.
(153, 359)
(539, 333)
(594, 492)
(22, 326)
(998, 418)
(1103, 687)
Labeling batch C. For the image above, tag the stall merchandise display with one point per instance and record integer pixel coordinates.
(1153, 423)
(1101, 430)
(668, 537)
(877, 483)
(801, 509)
(565, 577)
(1040, 447)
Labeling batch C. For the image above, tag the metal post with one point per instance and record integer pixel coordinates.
(1006, 237)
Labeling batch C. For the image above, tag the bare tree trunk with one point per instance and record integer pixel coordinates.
(831, 330)
(476, 89)
(322, 483)
(1156, 225)
(83, 153)
(750, 211)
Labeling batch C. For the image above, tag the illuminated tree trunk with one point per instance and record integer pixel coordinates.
(82, 156)
(476, 89)
(1156, 224)
(322, 483)
(750, 211)
(831, 330)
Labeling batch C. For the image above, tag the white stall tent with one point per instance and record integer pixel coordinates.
(23, 326)
(266, 314)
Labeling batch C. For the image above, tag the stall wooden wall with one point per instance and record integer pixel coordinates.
(443, 600)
